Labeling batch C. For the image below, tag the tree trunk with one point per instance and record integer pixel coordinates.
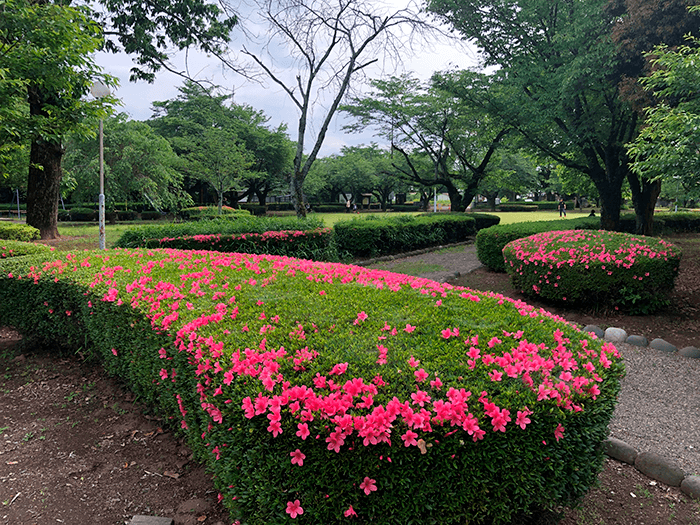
(298, 195)
(43, 187)
(644, 195)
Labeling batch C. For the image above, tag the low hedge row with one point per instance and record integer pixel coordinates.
(328, 393)
(680, 222)
(484, 220)
(210, 212)
(310, 244)
(372, 236)
(595, 268)
(18, 232)
(18, 248)
(490, 241)
(525, 206)
(140, 236)
(553, 205)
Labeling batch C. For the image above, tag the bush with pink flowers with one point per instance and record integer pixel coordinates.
(324, 393)
(594, 268)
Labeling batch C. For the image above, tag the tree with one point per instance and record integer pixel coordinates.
(45, 49)
(510, 173)
(560, 69)
(456, 135)
(265, 154)
(331, 42)
(669, 144)
(138, 163)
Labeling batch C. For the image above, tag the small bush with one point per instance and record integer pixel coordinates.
(256, 209)
(151, 215)
(553, 205)
(484, 220)
(373, 235)
(490, 241)
(594, 268)
(357, 395)
(680, 222)
(18, 232)
(517, 206)
(82, 214)
(18, 249)
(129, 215)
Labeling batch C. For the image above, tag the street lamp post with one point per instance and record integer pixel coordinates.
(99, 90)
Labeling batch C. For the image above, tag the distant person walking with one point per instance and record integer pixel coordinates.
(347, 206)
(562, 208)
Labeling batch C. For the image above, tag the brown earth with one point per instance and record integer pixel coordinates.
(76, 448)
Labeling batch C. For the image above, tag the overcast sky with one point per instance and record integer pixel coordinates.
(271, 99)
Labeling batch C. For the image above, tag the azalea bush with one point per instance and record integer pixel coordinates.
(18, 232)
(18, 249)
(490, 241)
(142, 235)
(324, 393)
(595, 268)
(372, 236)
(310, 244)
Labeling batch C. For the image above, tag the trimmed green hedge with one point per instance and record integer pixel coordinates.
(18, 249)
(525, 206)
(310, 244)
(334, 389)
(553, 205)
(484, 220)
(198, 213)
(82, 214)
(372, 236)
(490, 241)
(138, 237)
(18, 232)
(595, 268)
(680, 222)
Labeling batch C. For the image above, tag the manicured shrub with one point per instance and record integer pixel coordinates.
(553, 205)
(255, 209)
(681, 222)
(372, 236)
(198, 213)
(594, 268)
(328, 393)
(82, 214)
(490, 241)
(525, 206)
(18, 232)
(18, 249)
(484, 220)
(310, 244)
(628, 224)
(151, 215)
(138, 237)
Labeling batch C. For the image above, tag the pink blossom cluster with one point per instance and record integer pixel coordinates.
(339, 404)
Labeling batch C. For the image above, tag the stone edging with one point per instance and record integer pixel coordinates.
(650, 464)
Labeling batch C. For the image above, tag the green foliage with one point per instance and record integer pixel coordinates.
(372, 236)
(525, 206)
(594, 268)
(82, 214)
(17, 248)
(209, 212)
(310, 244)
(173, 325)
(490, 241)
(136, 237)
(18, 232)
(554, 205)
(681, 222)
(484, 220)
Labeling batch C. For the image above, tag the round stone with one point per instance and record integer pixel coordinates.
(690, 351)
(637, 340)
(594, 329)
(659, 468)
(615, 335)
(619, 450)
(660, 344)
(691, 486)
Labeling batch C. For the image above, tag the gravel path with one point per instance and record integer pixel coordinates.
(659, 404)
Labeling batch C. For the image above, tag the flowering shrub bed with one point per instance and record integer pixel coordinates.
(594, 268)
(303, 244)
(490, 241)
(140, 236)
(18, 232)
(372, 236)
(17, 249)
(325, 393)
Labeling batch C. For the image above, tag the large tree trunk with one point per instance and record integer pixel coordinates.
(609, 188)
(43, 187)
(644, 195)
(298, 195)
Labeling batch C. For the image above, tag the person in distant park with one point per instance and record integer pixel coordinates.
(354, 207)
(562, 208)
(347, 206)
(592, 214)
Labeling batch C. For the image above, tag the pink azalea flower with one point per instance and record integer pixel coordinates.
(298, 457)
(114, 351)
(368, 485)
(409, 328)
(421, 375)
(294, 508)
(303, 431)
(350, 512)
(559, 432)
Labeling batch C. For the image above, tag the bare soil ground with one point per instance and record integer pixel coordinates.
(77, 448)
